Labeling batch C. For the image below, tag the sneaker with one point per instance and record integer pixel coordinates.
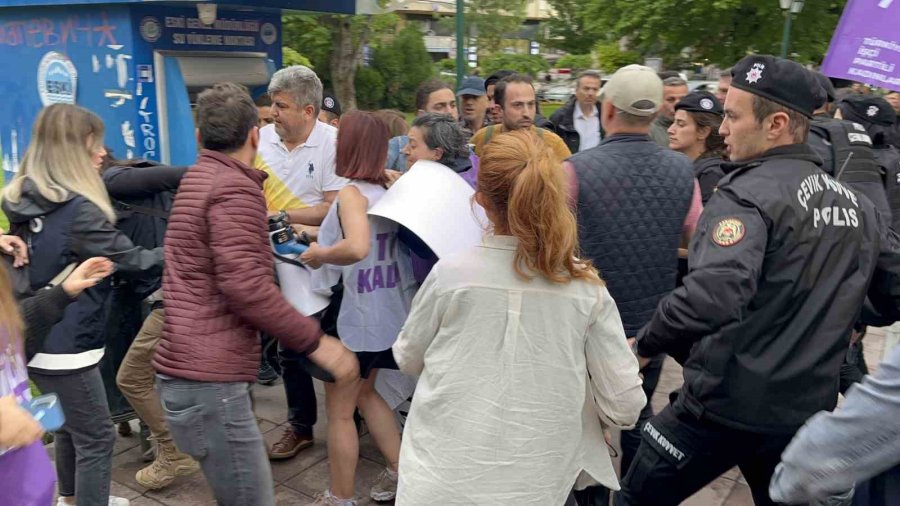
(125, 429)
(169, 464)
(326, 498)
(289, 445)
(385, 488)
(266, 374)
(113, 501)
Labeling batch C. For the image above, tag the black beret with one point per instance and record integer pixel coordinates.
(826, 85)
(868, 110)
(782, 81)
(700, 101)
(330, 103)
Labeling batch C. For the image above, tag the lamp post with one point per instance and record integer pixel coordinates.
(790, 7)
(460, 29)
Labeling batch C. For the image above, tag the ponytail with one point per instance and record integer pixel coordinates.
(523, 182)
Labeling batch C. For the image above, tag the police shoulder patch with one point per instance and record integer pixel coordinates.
(729, 232)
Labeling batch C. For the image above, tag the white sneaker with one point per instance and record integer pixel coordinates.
(113, 501)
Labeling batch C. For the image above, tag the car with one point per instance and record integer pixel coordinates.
(709, 86)
(556, 92)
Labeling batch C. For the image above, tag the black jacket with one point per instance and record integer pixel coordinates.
(143, 196)
(780, 264)
(708, 172)
(59, 234)
(563, 123)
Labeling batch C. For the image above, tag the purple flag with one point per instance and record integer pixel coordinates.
(866, 44)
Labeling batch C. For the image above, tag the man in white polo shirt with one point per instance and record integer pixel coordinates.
(297, 152)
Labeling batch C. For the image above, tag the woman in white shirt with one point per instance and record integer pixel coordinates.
(520, 350)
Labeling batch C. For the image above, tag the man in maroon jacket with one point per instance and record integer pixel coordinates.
(220, 293)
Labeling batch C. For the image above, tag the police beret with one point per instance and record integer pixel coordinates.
(868, 110)
(330, 103)
(782, 81)
(826, 85)
(700, 101)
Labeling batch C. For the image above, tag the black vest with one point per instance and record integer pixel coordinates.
(889, 158)
(633, 197)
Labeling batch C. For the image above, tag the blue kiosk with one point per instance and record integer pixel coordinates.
(137, 63)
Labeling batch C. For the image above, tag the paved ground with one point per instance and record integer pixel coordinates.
(297, 480)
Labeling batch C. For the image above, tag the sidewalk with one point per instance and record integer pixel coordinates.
(299, 479)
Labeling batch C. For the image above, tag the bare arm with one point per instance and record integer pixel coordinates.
(355, 224)
(313, 215)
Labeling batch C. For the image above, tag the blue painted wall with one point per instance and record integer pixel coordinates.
(112, 50)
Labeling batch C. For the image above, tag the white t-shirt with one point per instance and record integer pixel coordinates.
(298, 178)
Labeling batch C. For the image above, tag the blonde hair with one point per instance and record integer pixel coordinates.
(522, 181)
(9, 311)
(58, 159)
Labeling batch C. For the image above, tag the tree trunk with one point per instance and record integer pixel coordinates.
(345, 55)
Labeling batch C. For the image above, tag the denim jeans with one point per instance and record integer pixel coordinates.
(84, 444)
(214, 423)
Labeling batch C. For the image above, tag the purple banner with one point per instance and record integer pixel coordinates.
(866, 44)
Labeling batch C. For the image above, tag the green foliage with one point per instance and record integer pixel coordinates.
(369, 88)
(447, 64)
(720, 31)
(575, 61)
(292, 57)
(567, 28)
(521, 63)
(305, 33)
(611, 57)
(403, 63)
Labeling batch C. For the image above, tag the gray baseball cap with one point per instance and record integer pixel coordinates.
(472, 85)
(635, 89)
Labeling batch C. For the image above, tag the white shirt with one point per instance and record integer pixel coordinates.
(588, 127)
(298, 178)
(505, 410)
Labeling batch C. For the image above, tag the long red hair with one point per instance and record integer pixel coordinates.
(524, 184)
(9, 310)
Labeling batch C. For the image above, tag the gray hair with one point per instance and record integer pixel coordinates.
(674, 81)
(301, 82)
(441, 131)
(588, 73)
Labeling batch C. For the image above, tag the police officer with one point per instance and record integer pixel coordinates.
(779, 266)
(877, 116)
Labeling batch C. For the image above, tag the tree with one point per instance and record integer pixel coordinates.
(519, 63)
(721, 31)
(575, 61)
(403, 63)
(611, 58)
(491, 22)
(568, 27)
(291, 57)
(334, 44)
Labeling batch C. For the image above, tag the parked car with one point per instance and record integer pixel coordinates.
(556, 92)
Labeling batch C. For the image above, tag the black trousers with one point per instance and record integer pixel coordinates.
(680, 454)
(301, 395)
(630, 440)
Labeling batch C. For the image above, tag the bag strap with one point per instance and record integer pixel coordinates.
(63, 274)
(489, 132)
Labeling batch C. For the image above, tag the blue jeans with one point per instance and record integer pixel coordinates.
(214, 423)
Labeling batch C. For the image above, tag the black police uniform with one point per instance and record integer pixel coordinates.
(780, 264)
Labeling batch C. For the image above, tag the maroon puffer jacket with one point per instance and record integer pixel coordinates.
(218, 284)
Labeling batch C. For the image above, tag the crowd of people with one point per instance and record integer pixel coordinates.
(747, 232)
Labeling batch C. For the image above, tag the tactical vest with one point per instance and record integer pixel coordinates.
(846, 149)
(889, 158)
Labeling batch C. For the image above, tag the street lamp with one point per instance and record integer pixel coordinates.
(790, 7)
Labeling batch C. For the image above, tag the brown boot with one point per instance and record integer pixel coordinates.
(169, 464)
(289, 445)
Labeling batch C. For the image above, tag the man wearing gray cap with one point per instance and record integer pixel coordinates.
(473, 104)
(636, 204)
(780, 266)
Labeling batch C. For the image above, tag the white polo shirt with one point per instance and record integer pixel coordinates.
(298, 178)
(588, 128)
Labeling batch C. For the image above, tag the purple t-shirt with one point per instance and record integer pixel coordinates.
(26, 474)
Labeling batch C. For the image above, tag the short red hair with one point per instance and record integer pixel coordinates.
(362, 145)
